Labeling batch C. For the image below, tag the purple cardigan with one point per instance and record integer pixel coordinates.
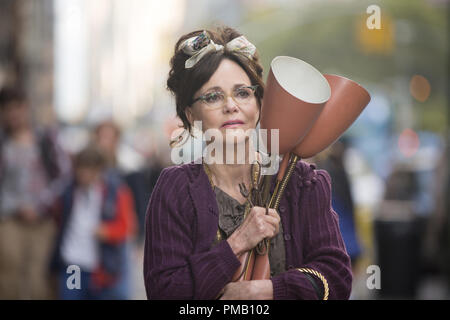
(182, 221)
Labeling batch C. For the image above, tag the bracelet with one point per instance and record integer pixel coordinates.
(320, 276)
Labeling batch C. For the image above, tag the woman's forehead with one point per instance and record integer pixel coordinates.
(228, 76)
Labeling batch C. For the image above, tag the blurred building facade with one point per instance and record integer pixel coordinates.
(26, 52)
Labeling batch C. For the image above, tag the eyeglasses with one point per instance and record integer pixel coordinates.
(217, 99)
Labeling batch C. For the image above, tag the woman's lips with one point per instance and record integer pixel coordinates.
(232, 124)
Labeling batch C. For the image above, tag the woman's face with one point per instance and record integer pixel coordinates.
(15, 115)
(228, 77)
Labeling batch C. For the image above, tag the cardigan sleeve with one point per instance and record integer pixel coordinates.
(323, 249)
(171, 268)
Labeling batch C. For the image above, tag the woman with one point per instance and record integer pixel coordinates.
(195, 226)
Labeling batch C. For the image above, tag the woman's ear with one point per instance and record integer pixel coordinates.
(189, 115)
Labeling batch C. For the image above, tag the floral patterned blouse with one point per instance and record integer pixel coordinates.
(231, 215)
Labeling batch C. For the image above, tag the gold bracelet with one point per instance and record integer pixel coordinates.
(321, 277)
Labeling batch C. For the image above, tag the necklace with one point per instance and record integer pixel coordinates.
(247, 203)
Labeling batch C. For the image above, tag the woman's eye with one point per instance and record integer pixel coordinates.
(212, 97)
(242, 93)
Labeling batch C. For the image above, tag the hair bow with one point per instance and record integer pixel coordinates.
(197, 47)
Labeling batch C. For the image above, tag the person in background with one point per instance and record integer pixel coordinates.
(142, 183)
(107, 138)
(107, 135)
(342, 199)
(436, 242)
(95, 222)
(32, 168)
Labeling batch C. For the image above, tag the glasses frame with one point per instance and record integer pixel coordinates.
(204, 96)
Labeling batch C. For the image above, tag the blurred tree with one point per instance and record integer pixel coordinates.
(333, 37)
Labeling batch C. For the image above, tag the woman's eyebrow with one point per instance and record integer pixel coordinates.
(236, 86)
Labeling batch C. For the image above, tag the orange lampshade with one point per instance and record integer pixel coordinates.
(294, 96)
(348, 100)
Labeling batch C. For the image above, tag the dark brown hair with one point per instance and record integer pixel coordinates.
(90, 157)
(184, 83)
(11, 94)
(105, 124)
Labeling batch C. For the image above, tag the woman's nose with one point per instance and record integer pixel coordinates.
(230, 105)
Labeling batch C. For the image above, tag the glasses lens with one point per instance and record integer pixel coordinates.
(243, 95)
(214, 99)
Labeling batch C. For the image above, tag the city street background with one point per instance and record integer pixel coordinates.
(82, 63)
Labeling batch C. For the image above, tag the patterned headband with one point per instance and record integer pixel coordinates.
(197, 47)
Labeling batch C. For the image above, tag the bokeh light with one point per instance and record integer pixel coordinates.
(420, 88)
(408, 142)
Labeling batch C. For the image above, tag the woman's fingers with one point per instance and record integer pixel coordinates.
(270, 227)
(260, 211)
(257, 226)
(268, 224)
(274, 213)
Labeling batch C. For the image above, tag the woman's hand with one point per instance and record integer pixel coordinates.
(248, 290)
(256, 226)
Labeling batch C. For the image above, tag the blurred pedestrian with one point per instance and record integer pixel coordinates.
(31, 169)
(398, 232)
(94, 225)
(142, 183)
(436, 249)
(342, 198)
(107, 137)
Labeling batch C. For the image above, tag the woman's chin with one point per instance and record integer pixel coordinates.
(235, 137)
